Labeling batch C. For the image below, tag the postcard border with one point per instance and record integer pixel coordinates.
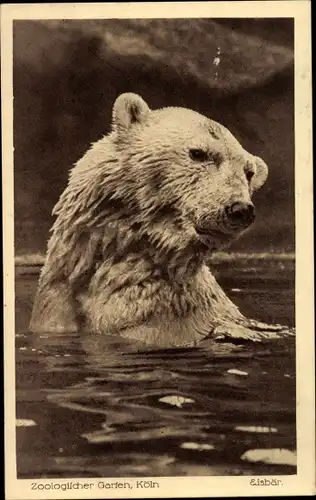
(304, 481)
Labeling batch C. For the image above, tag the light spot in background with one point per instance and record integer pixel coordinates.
(234, 371)
(276, 456)
(23, 422)
(216, 61)
(197, 446)
(176, 400)
(253, 428)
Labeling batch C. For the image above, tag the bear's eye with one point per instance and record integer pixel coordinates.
(197, 154)
(249, 175)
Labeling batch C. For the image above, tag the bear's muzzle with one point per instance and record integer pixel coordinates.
(239, 215)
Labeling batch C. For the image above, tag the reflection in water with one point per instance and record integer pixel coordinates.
(105, 406)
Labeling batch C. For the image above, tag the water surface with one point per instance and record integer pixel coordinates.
(106, 407)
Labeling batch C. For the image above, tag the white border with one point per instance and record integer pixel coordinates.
(304, 482)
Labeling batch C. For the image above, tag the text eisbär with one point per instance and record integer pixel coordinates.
(266, 482)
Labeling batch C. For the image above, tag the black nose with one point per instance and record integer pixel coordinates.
(241, 213)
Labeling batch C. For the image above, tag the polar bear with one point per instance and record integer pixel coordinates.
(143, 210)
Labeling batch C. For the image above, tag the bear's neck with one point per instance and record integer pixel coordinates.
(176, 265)
(166, 256)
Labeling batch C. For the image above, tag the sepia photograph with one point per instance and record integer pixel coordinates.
(154, 325)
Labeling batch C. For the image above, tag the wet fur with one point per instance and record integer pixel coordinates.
(124, 257)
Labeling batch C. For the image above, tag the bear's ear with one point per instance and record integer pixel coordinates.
(261, 174)
(127, 110)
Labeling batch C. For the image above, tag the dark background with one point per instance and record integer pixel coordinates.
(67, 75)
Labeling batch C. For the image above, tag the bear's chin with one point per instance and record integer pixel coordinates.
(216, 240)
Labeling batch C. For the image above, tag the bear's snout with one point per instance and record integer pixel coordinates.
(240, 214)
